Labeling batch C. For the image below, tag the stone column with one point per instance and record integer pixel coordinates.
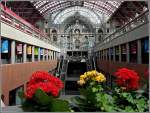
(39, 54)
(109, 55)
(51, 55)
(43, 55)
(13, 55)
(114, 54)
(32, 53)
(119, 53)
(128, 52)
(24, 53)
(47, 55)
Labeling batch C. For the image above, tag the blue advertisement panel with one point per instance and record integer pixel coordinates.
(4, 46)
(41, 51)
(146, 46)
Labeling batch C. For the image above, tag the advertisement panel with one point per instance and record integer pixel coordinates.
(29, 50)
(41, 51)
(4, 46)
(146, 46)
(36, 51)
(19, 48)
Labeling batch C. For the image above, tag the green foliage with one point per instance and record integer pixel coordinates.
(132, 101)
(103, 99)
(44, 103)
(82, 103)
(42, 98)
(60, 105)
(105, 102)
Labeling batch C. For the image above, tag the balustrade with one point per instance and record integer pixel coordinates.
(141, 19)
(10, 18)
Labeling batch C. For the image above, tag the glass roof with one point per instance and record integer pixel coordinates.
(68, 8)
(91, 15)
(51, 6)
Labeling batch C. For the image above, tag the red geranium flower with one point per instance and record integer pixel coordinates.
(127, 78)
(46, 82)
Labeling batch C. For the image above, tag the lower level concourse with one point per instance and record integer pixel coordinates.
(74, 56)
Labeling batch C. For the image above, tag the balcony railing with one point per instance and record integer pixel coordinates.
(136, 22)
(10, 18)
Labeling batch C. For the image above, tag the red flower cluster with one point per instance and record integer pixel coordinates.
(127, 78)
(45, 81)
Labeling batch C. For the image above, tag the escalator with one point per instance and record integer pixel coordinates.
(75, 69)
(70, 72)
(63, 73)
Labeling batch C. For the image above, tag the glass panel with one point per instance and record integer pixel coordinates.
(92, 16)
(98, 7)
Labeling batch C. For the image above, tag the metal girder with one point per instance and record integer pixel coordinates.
(54, 6)
(128, 10)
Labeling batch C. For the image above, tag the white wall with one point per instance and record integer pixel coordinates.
(14, 34)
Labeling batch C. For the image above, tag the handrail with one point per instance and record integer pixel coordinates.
(12, 18)
(131, 21)
(13, 15)
(109, 37)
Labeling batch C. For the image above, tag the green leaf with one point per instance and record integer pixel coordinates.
(60, 106)
(129, 109)
(28, 106)
(94, 89)
(128, 97)
(141, 104)
(42, 98)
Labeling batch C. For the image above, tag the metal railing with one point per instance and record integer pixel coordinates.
(136, 22)
(10, 18)
(63, 74)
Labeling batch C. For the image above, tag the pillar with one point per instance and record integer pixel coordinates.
(109, 55)
(32, 53)
(128, 52)
(13, 44)
(114, 54)
(139, 52)
(47, 55)
(51, 55)
(43, 55)
(24, 53)
(39, 55)
(119, 53)
(54, 55)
